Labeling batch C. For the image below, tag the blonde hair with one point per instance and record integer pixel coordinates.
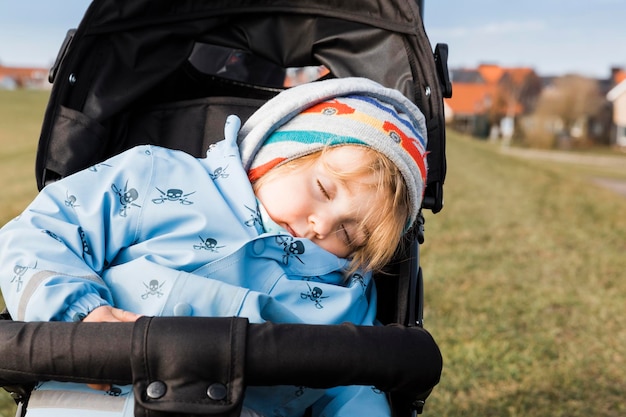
(385, 222)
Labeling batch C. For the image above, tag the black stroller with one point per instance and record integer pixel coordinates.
(135, 72)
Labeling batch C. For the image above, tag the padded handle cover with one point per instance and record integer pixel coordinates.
(185, 367)
(201, 365)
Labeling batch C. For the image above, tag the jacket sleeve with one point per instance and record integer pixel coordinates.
(195, 295)
(352, 401)
(52, 255)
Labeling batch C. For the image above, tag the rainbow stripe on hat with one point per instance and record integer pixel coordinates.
(355, 120)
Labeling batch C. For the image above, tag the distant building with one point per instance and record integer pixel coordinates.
(488, 100)
(617, 96)
(502, 103)
(467, 110)
(12, 78)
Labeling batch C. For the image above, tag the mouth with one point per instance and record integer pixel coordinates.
(291, 231)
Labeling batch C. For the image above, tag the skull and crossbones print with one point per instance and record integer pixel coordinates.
(219, 173)
(209, 244)
(255, 217)
(19, 272)
(173, 195)
(291, 247)
(314, 294)
(126, 197)
(153, 288)
(70, 200)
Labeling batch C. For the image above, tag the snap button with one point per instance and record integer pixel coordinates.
(216, 391)
(258, 246)
(156, 390)
(182, 310)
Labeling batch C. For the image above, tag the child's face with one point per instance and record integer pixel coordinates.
(312, 203)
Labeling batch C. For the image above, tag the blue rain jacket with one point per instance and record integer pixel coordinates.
(159, 232)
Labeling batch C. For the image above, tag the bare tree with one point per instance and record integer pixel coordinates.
(572, 100)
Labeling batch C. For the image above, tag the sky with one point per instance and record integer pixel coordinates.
(554, 37)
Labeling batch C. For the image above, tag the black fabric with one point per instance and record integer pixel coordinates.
(393, 358)
(75, 141)
(126, 55)
(182, 350)
(398, 288)
(184, 357)
(79, 352)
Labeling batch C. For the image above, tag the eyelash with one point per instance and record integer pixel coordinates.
(323, 190)
(346, 236)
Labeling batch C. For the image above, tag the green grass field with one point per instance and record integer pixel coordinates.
(524, 276)
(525, 288)
(21, 115)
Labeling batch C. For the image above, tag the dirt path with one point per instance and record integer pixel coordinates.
(616, 185)
(569, 157)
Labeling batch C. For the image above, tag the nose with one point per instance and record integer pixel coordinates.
(322, 223)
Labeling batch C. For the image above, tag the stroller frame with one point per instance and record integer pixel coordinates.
(103, 92)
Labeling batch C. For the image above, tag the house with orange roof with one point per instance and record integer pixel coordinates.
(33, 78)
(491, 73)
(488, 100)
(467, 110)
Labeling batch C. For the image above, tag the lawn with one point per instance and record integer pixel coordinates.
(21, 115)
(525, 288)
(524, 276)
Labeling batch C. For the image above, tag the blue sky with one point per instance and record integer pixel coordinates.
(552, 36)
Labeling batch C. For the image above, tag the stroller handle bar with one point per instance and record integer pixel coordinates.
(186, 355)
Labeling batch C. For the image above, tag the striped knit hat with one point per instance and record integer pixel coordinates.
(309, 117)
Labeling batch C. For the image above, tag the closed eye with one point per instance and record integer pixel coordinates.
(346, 236)
(323, 190)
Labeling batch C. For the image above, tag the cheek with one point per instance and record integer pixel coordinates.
(279, 197)
(277, 206)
